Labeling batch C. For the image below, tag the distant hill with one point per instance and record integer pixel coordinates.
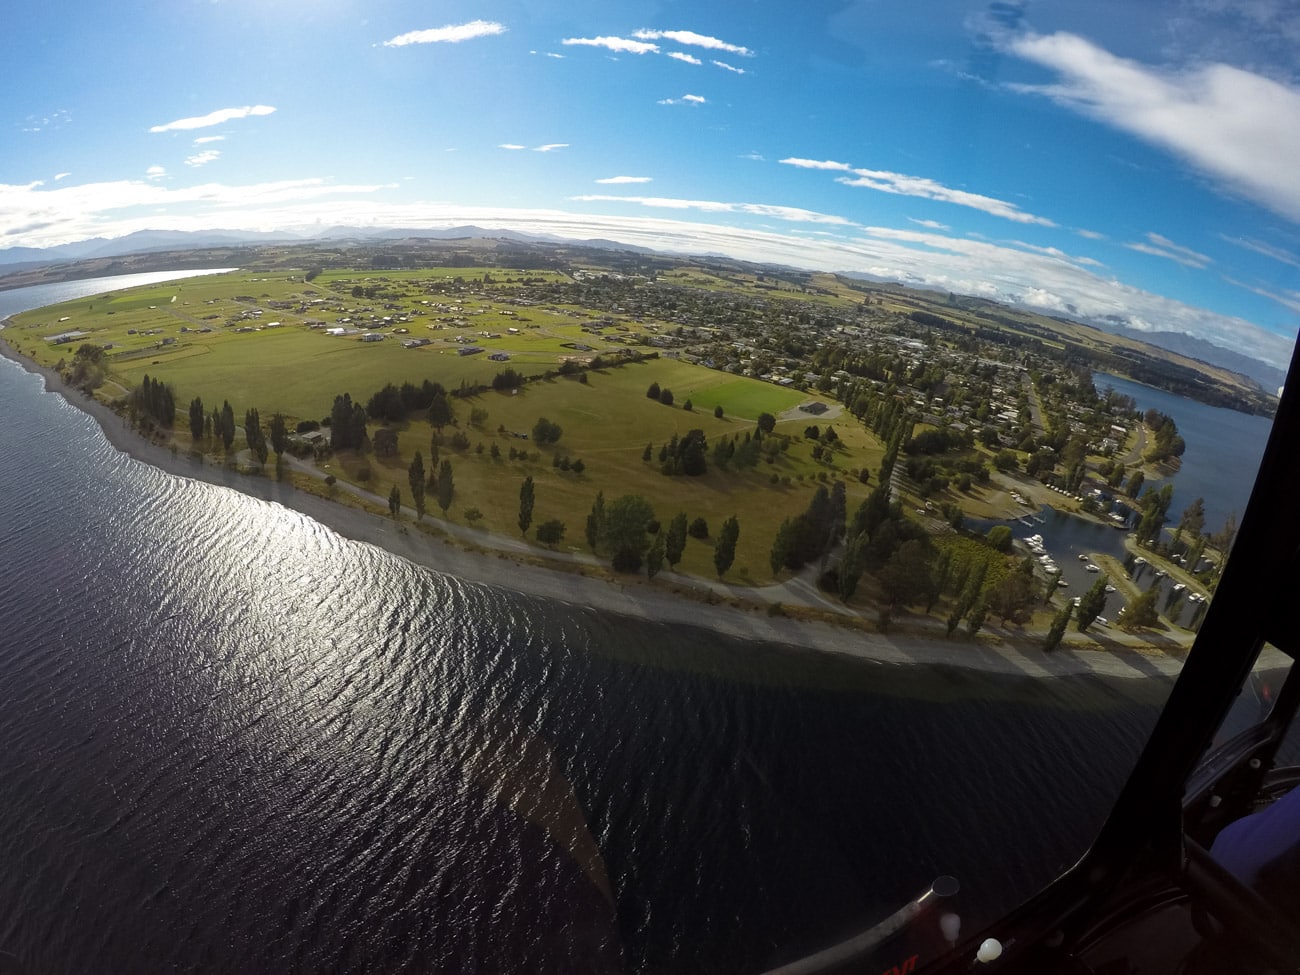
(1268, 377)
(14, 259)
(140, 242)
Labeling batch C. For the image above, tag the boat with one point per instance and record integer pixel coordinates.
(1091, 568)
(1139, 561)
(1179, 587)
(1110, 588)
(1101, 620)
(1161, 573)
(1083, 558)
(1062, 583)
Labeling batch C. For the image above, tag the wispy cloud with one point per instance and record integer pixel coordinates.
(1240, 128)
(1288, 299)
(683, 56)
(619, 45)
(1090, 234)
(684, 100)
(930, 224)
(202, 158)
(1258, 246)
(692, 39)
(920, 186)
(1160, 246)
(793, 214)
(729, 67)
(55, 120)
(59, 176)
(512, 146)
(213, 118)
(205, 139)
(548, 147)
(451, 34)
(828, 164)
(964, 266)
(155, 172)
(625, 179)
(753, 156)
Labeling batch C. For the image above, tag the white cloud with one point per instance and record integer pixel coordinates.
(620, 45)
(928, 189)
(683, 56)
(729, 67)
(684, 100)
(202, 158)
(451, 34)
(551, 147)
(625, 179)
(1090, 234)
(155, 172)
(817, 164)
(513, 146)
(552, 54)
(1159, 246)
(1288, 299)
(213, 118)
(59, 176)
(753, 156)
(930, 224)
(67, 213)
(1239, 127)
(1258, 246)
(205, 139)
(793, 214)
(692, 39)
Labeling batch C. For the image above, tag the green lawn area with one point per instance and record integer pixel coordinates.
(607, 421)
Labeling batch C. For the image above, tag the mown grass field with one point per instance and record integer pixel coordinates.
(607, 421)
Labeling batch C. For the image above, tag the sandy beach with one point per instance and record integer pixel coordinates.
(637, 597)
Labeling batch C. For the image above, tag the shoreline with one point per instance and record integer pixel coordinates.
(636, 599)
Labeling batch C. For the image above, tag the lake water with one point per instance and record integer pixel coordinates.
(1224, 449)
(235, 741)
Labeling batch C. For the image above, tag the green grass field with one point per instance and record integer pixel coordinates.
(607, 421)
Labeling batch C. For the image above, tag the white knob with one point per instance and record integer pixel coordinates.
(990, 950)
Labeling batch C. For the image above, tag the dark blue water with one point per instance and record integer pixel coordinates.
(1224, 449)
(235, 741)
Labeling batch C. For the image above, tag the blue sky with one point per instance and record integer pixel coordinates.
(1100, 158)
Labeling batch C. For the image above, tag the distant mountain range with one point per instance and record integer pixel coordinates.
(145, 241)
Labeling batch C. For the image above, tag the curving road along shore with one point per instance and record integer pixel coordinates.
(633, 597)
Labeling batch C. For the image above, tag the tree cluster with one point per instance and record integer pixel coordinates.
(348, 425)
(155, 400)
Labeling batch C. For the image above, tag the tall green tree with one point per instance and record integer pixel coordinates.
(196, 419)
(654, 558)
(440, 410)
(784, 545)
(227, 424)
(724, 550)
(415, 476)
(596, 521)
(526, 498)
(1059, 623)
(851, 567)
(254, 435)
(395, 501)
(675, 539)
(279, 434)
(1141, 611)
(1092, 603)
(446, 486)
(624, 535)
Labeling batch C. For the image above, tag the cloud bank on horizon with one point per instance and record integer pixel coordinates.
(1139, 171)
